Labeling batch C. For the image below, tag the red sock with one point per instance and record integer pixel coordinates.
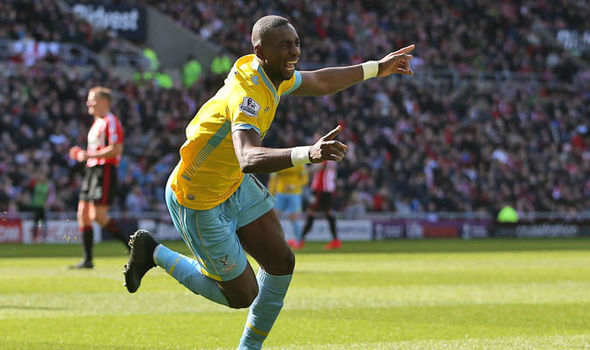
(115, 231)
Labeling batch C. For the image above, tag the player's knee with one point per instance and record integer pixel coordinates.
(291, 261)
(287, 263)
(245, 298)
(83, 217)
(102, 220)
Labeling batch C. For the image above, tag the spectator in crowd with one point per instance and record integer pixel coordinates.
(144, 77)
(152, 57)
(191, 71)
(507, 215)
(135, 202)
(221, 64)
(43, 194)
(163, 79)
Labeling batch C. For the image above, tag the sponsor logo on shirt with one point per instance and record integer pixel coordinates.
(250, 107)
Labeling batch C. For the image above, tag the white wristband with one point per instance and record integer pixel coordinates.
(370, 69)
(300, 155)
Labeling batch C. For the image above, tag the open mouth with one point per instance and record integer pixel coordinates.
(290, 65)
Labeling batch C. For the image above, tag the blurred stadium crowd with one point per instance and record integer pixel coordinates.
(461, 35)
(444, 141)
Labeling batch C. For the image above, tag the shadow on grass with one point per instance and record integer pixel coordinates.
(114, 249)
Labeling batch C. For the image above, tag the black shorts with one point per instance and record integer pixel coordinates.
(99, 184)
(322, 201)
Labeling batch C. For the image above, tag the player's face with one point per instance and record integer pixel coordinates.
(95, 104)
(281, 50)
(91, 103)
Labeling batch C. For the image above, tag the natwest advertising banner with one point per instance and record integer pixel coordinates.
(436, 228)
(128, 21)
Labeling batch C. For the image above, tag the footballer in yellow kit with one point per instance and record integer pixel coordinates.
(288, 181)
(218, 206)
(287, 187)
(209, 172)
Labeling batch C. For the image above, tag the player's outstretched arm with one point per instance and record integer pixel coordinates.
(330, 80)
(254, 158)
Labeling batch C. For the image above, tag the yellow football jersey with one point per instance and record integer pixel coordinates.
(289, 181)
(208, 172)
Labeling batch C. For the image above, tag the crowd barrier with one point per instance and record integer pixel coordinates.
(63, 228)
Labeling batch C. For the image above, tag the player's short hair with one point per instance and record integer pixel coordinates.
(263, 25)
(103, 92)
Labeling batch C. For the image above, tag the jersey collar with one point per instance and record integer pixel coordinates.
(256, 66)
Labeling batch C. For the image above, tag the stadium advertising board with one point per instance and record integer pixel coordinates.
(543, 228)
(162, 229)
(11, 230)
(16, 230)
(128, 21)
(439, 228)
(58, 231)
(348, 230)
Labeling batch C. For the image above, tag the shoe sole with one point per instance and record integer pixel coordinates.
(132, 275)
(131, 284)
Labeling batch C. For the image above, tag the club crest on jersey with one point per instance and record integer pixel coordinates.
(250, 107)
(227, 265)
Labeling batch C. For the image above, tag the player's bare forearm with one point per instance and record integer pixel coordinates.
(109, 151)
(254, 158)
(331, 80)
(327, 81)
(265, 160)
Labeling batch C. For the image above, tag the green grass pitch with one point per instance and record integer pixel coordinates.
(404, 294)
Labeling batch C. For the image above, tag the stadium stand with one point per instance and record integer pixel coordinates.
(433, 143)
(48, 30)
(462, 36)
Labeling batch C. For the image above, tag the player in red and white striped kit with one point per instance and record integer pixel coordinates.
(102, 156)
(323, 186)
